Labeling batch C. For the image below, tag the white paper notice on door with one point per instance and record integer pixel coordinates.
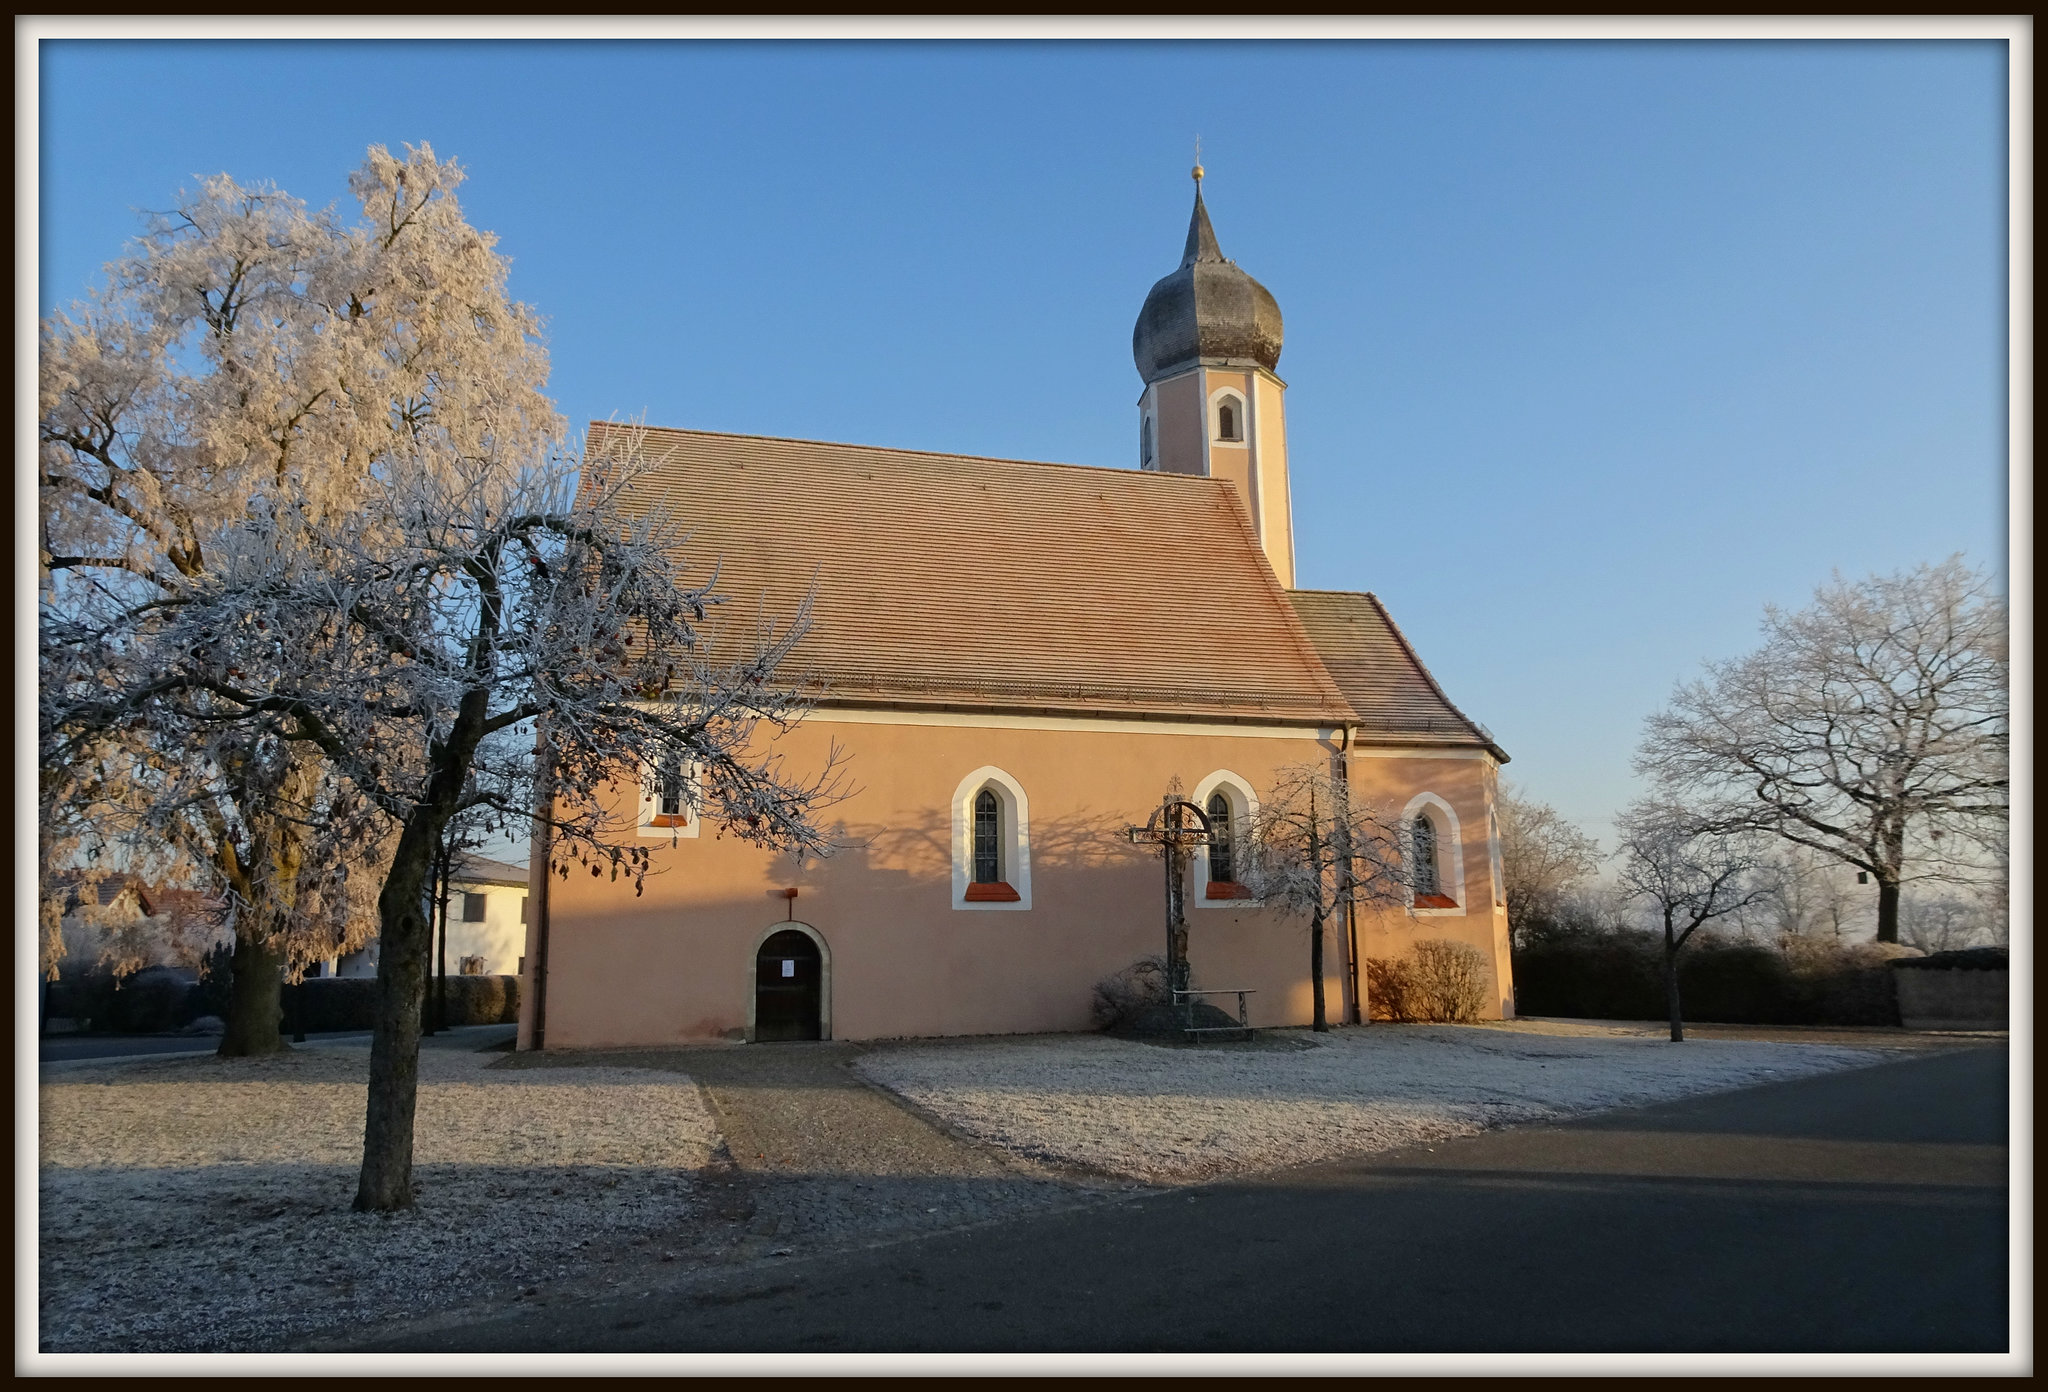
(788, 967)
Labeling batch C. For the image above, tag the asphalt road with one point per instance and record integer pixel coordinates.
(1860, 1211)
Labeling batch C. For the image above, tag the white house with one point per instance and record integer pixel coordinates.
(486, 923)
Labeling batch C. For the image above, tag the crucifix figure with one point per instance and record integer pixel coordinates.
(1175, 827)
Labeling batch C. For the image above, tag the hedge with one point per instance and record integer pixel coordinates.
(147, 1003)
(151, 1003)
(1963, 959)
(350, 1002)
(1620, 976)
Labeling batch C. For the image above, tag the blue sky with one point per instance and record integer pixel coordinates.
(1592, 348)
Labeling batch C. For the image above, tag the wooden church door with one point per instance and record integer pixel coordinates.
(788, 988)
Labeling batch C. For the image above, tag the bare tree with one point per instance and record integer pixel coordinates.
(1313, 851)
(1874, 717)
(1945, 920)
(1543, 858)
(1689, 871)
(248, 355)
(1812, 896)
(461, 604)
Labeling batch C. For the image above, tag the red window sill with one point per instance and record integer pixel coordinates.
(1435, 901)
(997, 893)
(1226, 889)
(675, 821)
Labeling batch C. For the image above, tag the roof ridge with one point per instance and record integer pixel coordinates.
(893, 449)
(1409, 648)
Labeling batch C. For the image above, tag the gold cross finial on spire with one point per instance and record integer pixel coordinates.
(1198, 161)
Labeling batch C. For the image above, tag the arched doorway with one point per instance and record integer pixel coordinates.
(789, 981)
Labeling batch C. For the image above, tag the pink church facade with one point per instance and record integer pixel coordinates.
(1015, 686)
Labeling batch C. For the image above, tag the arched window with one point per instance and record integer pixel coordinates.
(1422, 837)
(1230, 419)
(991, 842)
(1219, 864)
(988, 828)
(1435, 849)
(1222, 869)
(1145, 442)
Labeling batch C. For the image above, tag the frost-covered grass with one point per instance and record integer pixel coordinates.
(200, 1203)
(1154, 1113)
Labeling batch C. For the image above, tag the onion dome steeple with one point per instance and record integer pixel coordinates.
(1206, 344)
(1207, 309)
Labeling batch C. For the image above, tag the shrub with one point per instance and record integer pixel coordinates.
(481, 1000)
(1440, 980)
(1387, 989)
(1121, 998)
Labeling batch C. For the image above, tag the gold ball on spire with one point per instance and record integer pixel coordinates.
(1198, 173)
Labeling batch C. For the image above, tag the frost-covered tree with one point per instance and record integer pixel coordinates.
(1543, 858)
(248, 357)
(1314, 851)
(405, 640)
(1689, 871)
(1871, 723)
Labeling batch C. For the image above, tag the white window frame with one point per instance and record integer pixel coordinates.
(1217, 399)
(1015, 831)
(650, 806)
(1450, 852)
(1244, 805)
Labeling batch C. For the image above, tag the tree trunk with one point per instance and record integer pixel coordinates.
(1671, 987)
(441, 960)
(1887, 910)
(1315, 926)
(430, 1019)
(1315, 969)
(255, 998)
(405, 937)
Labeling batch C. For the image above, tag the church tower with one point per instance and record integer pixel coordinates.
(1206, 344)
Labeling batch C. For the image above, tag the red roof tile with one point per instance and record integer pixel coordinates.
(993, 583)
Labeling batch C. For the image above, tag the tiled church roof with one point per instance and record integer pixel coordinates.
(1397, 700)
(993, 583)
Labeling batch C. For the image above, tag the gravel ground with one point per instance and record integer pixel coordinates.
(203, 1204)
(1185, 1114)
(833, 1162)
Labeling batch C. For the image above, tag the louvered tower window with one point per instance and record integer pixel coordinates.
(1423, 836)
(988, 860)
(1221, 870)
(1229, 425)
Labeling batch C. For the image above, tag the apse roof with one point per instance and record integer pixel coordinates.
(1376, 668)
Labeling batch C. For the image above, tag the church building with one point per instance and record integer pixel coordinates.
(1020, 657)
